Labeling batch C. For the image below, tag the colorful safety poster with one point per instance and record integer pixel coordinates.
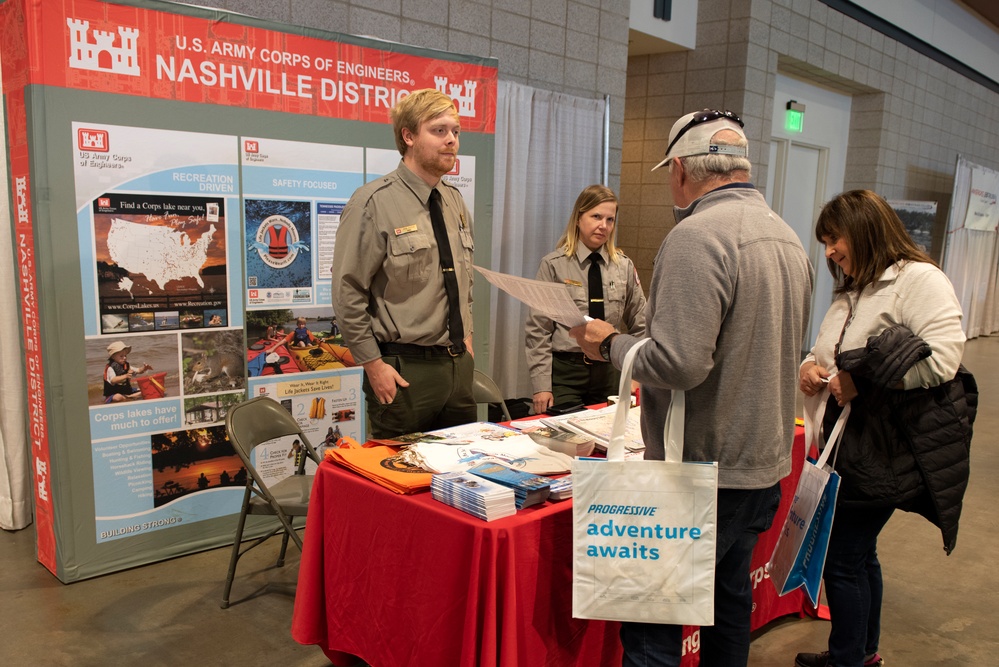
(326, 404)
(293, 194)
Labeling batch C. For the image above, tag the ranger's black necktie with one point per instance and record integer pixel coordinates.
(596, 287)
(455, 329)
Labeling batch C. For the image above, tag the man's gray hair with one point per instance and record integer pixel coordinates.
(702, 167)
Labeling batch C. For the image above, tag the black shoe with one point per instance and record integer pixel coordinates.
(812, 659)
(822, 660)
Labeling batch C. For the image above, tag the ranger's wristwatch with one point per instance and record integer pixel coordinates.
(605, 346)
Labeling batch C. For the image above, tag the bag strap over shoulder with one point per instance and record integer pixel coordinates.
(672, 430)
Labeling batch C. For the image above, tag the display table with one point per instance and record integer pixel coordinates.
(406, 580)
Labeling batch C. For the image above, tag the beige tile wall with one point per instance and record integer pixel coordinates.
(911, 116)
(578, 47)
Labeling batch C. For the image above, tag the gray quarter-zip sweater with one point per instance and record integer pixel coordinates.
(728, 306)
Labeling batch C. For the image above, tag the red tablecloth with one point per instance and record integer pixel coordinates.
(767, 605)
(406, 580)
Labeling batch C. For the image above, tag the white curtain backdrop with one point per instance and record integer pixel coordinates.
(15, 477)
(971, 260)
(549, 147)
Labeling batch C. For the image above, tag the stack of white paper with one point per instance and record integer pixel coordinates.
(475, 495)
(597, 424)
(520, 453)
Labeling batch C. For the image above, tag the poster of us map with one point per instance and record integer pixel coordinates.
(163, 322)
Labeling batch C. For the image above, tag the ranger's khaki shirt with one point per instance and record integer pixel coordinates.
(387, 281)
(624, 304)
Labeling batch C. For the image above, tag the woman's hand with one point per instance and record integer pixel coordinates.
(542, 401)
(812, 378)
(842, 388)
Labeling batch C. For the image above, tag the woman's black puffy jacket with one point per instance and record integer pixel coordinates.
(908, 449)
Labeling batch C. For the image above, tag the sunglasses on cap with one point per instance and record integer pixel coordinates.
(705, 116)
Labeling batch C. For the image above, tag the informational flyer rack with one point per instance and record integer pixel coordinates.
(178, 175)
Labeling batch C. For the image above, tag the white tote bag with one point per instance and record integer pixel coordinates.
(644, 531)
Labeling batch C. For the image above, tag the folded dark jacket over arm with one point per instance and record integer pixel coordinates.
(908, 449)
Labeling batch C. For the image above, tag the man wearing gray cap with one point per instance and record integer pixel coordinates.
(727, 310)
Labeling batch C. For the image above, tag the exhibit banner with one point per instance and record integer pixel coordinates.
(212, 57)
(983, 211)
(178, 175)
(971, 254)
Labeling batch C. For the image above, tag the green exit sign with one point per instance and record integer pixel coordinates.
(794, 121)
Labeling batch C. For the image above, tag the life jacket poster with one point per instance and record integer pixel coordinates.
(177, 178)
(294, 193)
(327, 405)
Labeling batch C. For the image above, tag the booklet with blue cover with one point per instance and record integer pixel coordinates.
(527, 488)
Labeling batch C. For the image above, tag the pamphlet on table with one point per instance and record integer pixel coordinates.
(475, 495)
(597, 424)
(528, 489)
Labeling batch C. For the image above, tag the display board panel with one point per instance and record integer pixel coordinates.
(178, 175)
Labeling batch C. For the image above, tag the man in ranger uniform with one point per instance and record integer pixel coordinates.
(402, 278)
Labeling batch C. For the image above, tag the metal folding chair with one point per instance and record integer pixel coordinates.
(249, 424)
(485, 391)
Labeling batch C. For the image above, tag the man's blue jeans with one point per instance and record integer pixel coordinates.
(742, 516)
(854, 586)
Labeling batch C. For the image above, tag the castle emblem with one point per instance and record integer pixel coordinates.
(101, 54)
(463, 94)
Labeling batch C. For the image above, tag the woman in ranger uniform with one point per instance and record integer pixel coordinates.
(604, 284)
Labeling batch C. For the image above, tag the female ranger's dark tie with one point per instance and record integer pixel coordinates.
(596, 287)
(454, 326)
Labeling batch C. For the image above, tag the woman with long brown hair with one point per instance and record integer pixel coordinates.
(891, 346)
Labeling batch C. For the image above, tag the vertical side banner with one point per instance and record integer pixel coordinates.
(24, 245)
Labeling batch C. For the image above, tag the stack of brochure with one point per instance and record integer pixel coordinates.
(475, 495)
(567, 442)
(561, 488)
(528, 489)
(597, 425)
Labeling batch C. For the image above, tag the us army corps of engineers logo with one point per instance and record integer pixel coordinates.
(103, 50)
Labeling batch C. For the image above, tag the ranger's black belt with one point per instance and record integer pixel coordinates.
(425, 351)
(574, 358)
